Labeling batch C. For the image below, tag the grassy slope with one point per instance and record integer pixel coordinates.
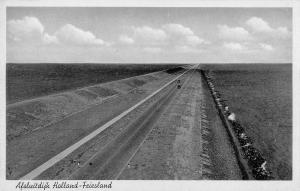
(261, 96)
(25, 81)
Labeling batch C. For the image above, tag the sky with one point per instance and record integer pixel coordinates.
(148, 35)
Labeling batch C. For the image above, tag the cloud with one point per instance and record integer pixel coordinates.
(247, 40)
(177, 30)
(247, 47)
(283, 31)
(194, 40)
(125, 39)
(182, 35)
(146, 34)
(30, 29)
(258, 25)
(233, 33)
(27, 28)
(266, 46)
(48, 39)
(234, 46)
(170, 36)
(69, 34)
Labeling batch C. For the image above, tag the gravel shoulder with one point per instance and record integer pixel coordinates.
(224, 165)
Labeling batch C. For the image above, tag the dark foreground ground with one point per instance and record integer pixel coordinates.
(261, 97)
(26, 81)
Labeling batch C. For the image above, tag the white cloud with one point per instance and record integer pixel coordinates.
(27, 28)
(258, 25)
(194, 40)
(149, 35)
(48, 39)
(233, 33)
(266, 46)
(169, 36)
(125, 39)
(31, 29)
(182, 35)
(177, 30)
(69, 34)
(234, 46)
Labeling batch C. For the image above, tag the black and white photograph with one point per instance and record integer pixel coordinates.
(97, 94)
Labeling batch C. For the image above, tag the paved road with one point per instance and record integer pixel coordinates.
(179, 146)
(173, 148)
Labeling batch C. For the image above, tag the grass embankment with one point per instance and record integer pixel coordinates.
(26, 81)
(261, 97)
(27, 116)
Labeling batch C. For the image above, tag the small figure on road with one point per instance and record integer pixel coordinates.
(178, 84)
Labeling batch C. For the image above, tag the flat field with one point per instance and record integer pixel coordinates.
(26, 81)
(261, 97)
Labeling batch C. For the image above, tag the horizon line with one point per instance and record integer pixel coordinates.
(148, 63)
